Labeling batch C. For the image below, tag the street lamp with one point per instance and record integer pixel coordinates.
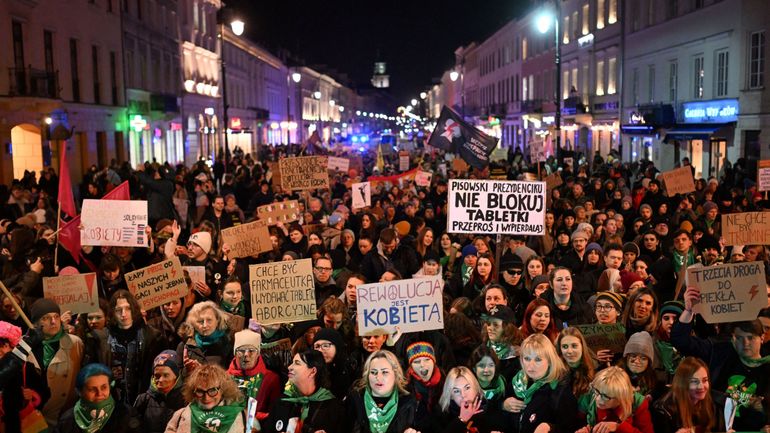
(423, 95)
(296, 77)
(237, 27)
(544, 21)
(414, 102)
(454, 75)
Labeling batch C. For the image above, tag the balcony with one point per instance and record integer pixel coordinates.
(532, 106)
(574, 105)
(33, 83)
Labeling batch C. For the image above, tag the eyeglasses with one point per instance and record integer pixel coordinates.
(601, 395)
(604, 307)
(321, 269)
(246, 351)
(635, 357)
(212, 392)
(322, 346)
(514, 271)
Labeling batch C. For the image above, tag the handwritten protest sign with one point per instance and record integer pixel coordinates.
(306, 172)
(763, 175)
(282, 292)
(157, 284)
(496, 206)
(423, 178)
(118, 223)
(197, 273)
(362, 195)
(536, 150)
(411, 305)
(247, 240)
(746, 228)
(338, 164)
(403, 161)
(730, 292)
(678, 181)
(277, 350)
(605, 337)
(285, 212)
(76, 293)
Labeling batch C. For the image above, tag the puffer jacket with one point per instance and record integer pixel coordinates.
(156, 408)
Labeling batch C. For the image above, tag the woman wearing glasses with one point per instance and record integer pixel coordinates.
(216, 405)
(341, 367)
(307, 405)
(614, 406)
(250, 372)
(638, 359)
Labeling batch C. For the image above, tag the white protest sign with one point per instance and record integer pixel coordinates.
(120, 223)
(75, 293)
(496, 207)
(403, 161)
(282, 292)
(537, 150)
(729, 293)
(339, 164)
(763, 175)
(157, 284)
(197, 273)
(411, 305)
(362, 195)
(423, 178)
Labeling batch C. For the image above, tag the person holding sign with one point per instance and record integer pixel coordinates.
(197, 254)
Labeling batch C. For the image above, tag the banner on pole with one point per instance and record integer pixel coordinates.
(496, 207)
(411, 305)
(247, 240)
(763, 175)
(157, 284)
(74, 293)
(119, 223)
(282, 292)
(729, 293)
(306, 172)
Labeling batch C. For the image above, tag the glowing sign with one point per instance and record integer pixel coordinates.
(138, 123)
(235, 123)
(718, 111)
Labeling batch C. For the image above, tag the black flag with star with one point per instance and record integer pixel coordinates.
(453, 134)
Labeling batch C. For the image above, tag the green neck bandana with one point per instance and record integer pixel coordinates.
(91, 417)
(380, 417)
(50, 347)
(679, 259)
(217, 420)
(238, 310)
(293, 396)
(501, 349)
(525, 391)
(496, 389)
(668, 357)
(587, 405)
(751, 362)
(466, 272)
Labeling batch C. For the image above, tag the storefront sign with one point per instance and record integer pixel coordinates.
(718, 111)
(235, 124)
(496, 207)
(729, 293)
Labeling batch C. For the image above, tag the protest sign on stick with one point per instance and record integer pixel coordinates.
(339, 164)
(403, 161)
(746, 228)
(411, 305)
(604, 337)
(282, 292)
(678, 181)
(763, 175)
(120, 223)
(75, 293)
(306, 172)
(362, 195)
(157, 284)
(496, 207)
(247, 240)
(284, 212)
(423, 178)
(729, 293)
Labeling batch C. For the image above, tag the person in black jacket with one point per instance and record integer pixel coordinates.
(160, 190)
(341, 367)
(568, 307)
(16, 374)
(158, 404)
(308, 404)
(463, 407)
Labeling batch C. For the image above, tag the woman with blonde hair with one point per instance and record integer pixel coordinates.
(576, 354)
(379, 401)
(613, 405)
(543, 400)
(215, 403)
(210, 341)
(463, 408)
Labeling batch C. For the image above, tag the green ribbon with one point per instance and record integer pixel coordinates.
(668, 357)
(380, 417)
(91, 417)
(217, 420)
(50, 347)
(524, 391)
(293, 396)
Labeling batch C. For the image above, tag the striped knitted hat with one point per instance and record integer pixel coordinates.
(418, 349)
(617, 299)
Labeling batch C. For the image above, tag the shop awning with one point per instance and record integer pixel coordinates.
(698, 132)
(646, 130)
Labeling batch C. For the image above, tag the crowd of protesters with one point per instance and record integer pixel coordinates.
(510, 357)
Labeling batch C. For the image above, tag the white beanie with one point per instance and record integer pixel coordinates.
(247, 337)
(203, 240)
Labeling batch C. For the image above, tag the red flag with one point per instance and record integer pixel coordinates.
(66, 199)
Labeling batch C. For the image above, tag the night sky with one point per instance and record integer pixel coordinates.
(416, 38)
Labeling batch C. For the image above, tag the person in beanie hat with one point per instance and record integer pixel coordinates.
(638, 359)
(250, 372)
(199, 246)
(341, 367)
(18, 378)
(501, 334)
(425, 379)
(97, 410)
(630, 281)
(667, 358)
(158, 404)
(630, 253)
(608, 307)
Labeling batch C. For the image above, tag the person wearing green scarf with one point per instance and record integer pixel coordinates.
(463, 409)
(307, 404)
(574, 351)
(211, 341)
(164, 397)
(500, 335)
(613, 405)
(231, 297)
(96, 410)
(485, 367)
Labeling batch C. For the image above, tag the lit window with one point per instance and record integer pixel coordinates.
(599, 77)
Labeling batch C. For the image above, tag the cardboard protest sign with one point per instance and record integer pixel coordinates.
(411, 305)
(423, 178)
(496, 207)
(604, 337)
(285, 212)
(746, 228)
(157, 284)
(339, 164)
(362, 195)
(312, 228)
(678, 181)
(282, 292)
(75, 293)
(403, 161)
(498, 173)
(763, 175)
(730, 292)
(277, 350)
(306, 172)
(120, 223)
(197, 273)
(536, 150)
(247, 240)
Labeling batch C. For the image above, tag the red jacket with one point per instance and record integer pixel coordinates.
(269, 390)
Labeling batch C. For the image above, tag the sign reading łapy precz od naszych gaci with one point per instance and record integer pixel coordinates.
(157, 284)
(729, 293)
(496, 206)
(282, 292)
(411, 305)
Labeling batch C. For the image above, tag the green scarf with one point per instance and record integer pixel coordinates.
(525, 392)
(751, 362)
(380, 417)
(50, 346)
(465, 272)
(91, 417)
(679, 259)
(238, 310)
(495, 390)
(217, 420)
(501, 349)
(293, 396)
(668, 357)
(202, 341)
(587, 405)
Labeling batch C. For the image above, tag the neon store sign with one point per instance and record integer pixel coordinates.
(718, 111)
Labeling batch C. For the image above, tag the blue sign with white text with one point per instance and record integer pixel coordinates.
(716, 111)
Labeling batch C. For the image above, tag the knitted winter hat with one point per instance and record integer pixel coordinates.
(168, 358)
(641, 342)
(10, 332)
(418, 349)
(630, 247)
(331, 335)
(203, 240)
(41, 307)
(247, 337)
(627, 278)
(675, 307)
(470, 250)
(616, 299)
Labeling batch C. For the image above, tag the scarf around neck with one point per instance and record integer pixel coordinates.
(525, 391)
(203, 341)
(501, 349)
(293, 396)
(91, 417)
(217, 420)
(239, 310)
(380, 417)
(496, 389)
(50, 346)
(587, 405)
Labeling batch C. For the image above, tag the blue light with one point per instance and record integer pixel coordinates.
(364, 138)
(355, 139)
(361, 149)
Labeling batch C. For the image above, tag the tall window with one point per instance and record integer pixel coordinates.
(524, 49)
(673, 77)
(574, 82)
(139, 9)
(612, 72)
(698, 4)
(18, 44)
(524, 89)
(599, 77)
(95, 73)
(722, 72)
(586, 16)
(698, 75)
(635, 86)
(113, 78)
(757, 60)
(48, 50)
(565, 39)
(565, 84)
(651, 13)
(531, 87)
(575, 24)
(599, 14)
(651, 83)
(74, 70)
(584, 82)
(612, 13)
